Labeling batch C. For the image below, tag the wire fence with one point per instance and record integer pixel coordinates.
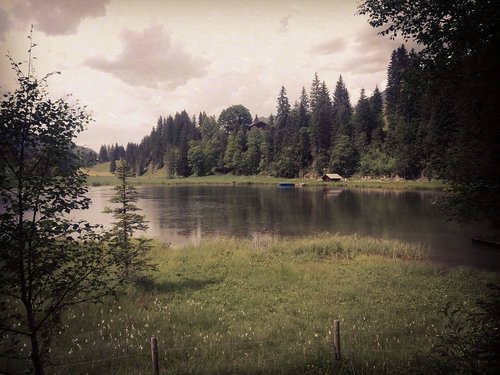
(247, 345)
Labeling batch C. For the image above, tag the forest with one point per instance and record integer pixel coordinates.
(385, 134)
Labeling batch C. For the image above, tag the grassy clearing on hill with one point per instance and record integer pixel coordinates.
(266, 306)
(100, 169)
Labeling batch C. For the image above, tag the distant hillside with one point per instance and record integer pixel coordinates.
(88, 156)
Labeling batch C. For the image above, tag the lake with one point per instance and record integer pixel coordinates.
(184, 214)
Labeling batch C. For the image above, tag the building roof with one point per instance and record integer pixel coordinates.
(256, 120)
(262, 119)
(333, 176)
(260, 122)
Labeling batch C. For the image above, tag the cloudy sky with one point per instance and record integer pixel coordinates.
(130, 61)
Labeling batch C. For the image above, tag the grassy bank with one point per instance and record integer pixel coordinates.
(266, 306)
(99, 178)
(154, 179)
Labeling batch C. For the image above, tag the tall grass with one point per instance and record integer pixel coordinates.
(266, 306)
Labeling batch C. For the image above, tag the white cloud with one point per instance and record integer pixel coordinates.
(150, 59)
(284, 22)
(59, 17)
(4, 24)
(334, 45)
(211, 55)
(370, 52)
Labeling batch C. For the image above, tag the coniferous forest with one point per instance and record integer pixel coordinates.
(384, 134)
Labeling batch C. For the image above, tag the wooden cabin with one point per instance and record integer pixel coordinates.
(261, 123)
(331, 177)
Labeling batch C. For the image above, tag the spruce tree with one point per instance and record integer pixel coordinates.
(282, 122)
(131, 255)
(377, 127)
(343, 152)
(303, 133)
(186, 132)
(321, 130)
(103, 154)
(362, 123)
(267, 149)
(315, 91)
(404, 138)
(341, 110)
(112, 166)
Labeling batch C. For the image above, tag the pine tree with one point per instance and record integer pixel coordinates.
(186, 132)
(283, 134)
(362, 123)
(131, 255)
(103, 154)
(343, 156)
(403, 115)
(315, 91)
(112, 166)
(303, 134)
(321, 130)
(395, 95)
(376, 103)
(267, 149)
(341, 110)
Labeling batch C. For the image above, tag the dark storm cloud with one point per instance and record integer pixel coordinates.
(59, 17)
(150, 59)
(332, 46)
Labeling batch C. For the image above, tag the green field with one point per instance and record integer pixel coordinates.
(99, 175)
(266, 306)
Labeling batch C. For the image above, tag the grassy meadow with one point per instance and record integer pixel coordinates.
(266, 306)
(100, 175)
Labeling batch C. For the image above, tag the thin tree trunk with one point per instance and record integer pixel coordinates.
(36, 359)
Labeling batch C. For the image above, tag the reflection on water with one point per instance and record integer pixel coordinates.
(185, 214)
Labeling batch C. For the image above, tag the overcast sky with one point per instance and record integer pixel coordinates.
(130, 61)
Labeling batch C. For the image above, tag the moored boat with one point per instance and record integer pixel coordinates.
(489, 241)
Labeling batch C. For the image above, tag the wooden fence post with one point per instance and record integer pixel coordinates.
(154, 356)
(336, 338)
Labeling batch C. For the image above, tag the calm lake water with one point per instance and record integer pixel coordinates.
(185, 214)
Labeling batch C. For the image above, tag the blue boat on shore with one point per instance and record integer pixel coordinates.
(286, 184)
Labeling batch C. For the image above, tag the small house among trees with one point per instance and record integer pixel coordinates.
(261, 123)
(331, 177)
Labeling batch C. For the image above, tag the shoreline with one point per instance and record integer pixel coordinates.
(232, 180)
